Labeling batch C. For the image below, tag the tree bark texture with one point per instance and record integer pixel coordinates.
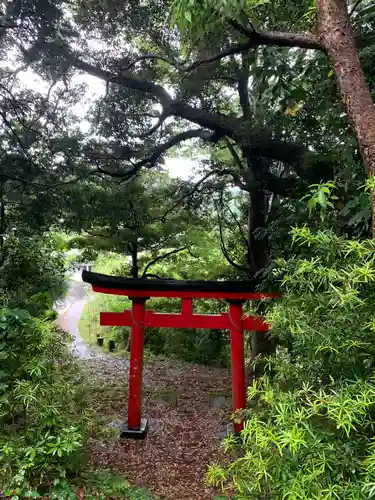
(134, 256)
(258, 255)
(336, 35)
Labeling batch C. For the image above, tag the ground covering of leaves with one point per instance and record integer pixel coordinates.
(187, 406)
(184, 435)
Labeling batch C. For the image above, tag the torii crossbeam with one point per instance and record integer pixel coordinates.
(140, 290)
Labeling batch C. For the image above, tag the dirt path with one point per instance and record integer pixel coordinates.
(187, 407)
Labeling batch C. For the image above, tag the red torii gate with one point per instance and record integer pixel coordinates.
(140, 290)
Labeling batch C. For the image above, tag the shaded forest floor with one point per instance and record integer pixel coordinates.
(187, 405)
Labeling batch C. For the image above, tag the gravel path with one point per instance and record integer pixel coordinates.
(187, 406)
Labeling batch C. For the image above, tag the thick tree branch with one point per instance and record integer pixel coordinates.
(277, 38)
(256, 39)
(261, 143)
(274, 38)
(125, 79)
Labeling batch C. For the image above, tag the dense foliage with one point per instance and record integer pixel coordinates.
(309, 432)
(41, 432)
(31, 266)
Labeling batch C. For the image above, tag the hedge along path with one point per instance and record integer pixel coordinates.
(187, 406)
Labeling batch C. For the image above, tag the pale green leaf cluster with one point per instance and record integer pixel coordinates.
(196, 17)
(321, 196)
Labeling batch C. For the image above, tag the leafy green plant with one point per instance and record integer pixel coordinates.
(310, 431)
(40, 305)
(196, 18)
(42, 431)
(321, 196)
(44, 419)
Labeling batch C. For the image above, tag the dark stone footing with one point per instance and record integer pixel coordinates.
(140, 433)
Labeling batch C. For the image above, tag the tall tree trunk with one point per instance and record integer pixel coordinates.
(2, 227)
(133, 247)
(258, 255)
(335, 34)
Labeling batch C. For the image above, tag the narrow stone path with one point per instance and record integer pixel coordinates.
(187, 406)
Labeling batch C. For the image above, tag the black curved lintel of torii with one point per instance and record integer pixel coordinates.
(160, 285)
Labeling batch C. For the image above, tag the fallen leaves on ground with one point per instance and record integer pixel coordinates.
(184, 428)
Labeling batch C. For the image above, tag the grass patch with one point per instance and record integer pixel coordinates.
(89, 324)
(109, 262)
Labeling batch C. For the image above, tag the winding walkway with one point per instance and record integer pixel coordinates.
(70, 312)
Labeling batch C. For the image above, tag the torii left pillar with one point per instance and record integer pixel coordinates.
(137, 426)
(237, 351)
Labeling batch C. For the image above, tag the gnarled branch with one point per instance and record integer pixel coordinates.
(125, 79)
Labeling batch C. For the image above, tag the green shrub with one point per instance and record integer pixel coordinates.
(32, 265)
(42, 432)
(40, 305)
(310, 432)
